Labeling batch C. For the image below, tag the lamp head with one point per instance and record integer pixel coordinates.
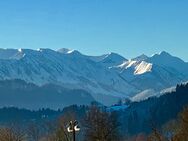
(76, 128)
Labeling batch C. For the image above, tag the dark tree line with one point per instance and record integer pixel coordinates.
(97, 124)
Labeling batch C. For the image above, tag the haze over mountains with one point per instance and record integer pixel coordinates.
(107, 77)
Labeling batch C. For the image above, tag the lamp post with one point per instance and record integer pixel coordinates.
(73, 128)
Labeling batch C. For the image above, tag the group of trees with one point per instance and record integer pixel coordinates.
(174, 130)
(97, 125)
(101, 125)
(180, 131)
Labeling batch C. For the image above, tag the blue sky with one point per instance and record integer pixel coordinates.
(128, 27)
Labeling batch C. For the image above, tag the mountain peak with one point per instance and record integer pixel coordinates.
(112, 53)
(20, 50)
(162, 54)
(115, 55)
(113, 59)
(142, 57)
(167, 60)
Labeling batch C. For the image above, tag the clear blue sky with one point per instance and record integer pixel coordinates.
(128, 27)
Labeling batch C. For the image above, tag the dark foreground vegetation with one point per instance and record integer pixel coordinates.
(155, 119)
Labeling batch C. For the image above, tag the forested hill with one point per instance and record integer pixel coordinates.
(19, 93)
(139, 116)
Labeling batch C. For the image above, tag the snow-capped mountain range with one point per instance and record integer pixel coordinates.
(107, 77)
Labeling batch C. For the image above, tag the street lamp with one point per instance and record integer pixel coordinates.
(73, 128)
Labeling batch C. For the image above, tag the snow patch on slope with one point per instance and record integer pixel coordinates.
(143, 67)
(144, 95)
(168, 90)
(140, 67)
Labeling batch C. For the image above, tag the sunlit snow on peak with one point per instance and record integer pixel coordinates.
(40, 49)
(20, 50)
(70, 51)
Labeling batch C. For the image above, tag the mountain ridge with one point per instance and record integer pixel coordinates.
(109, 75)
